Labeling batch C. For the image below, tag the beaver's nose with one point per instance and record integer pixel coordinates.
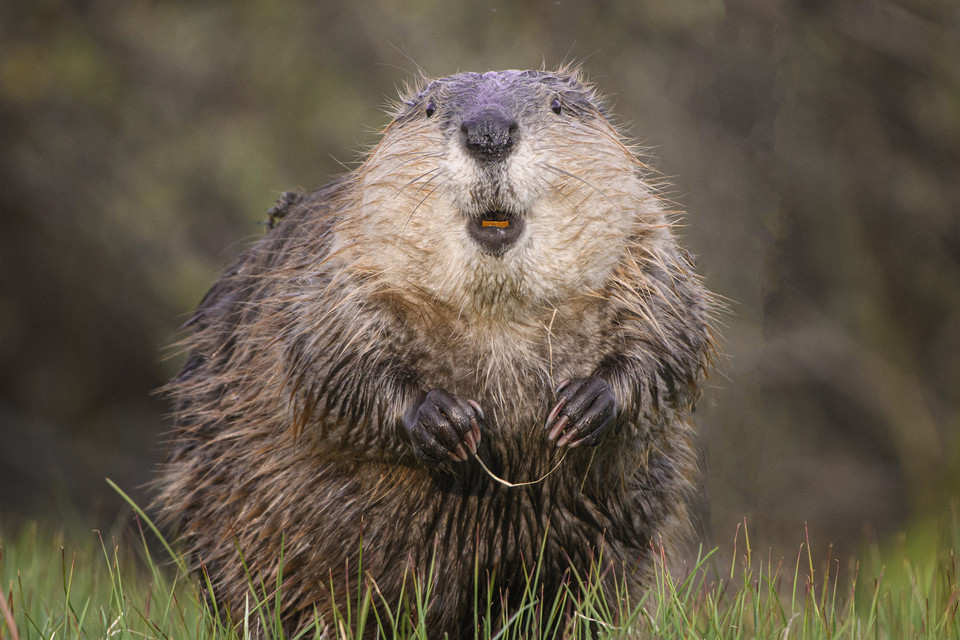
(490, 135)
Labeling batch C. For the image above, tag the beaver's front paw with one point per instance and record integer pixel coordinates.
(584, 412)
(444, 427)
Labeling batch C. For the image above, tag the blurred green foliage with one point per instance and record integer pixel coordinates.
(815, 145)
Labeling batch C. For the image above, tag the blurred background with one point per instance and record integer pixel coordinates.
(815, 145)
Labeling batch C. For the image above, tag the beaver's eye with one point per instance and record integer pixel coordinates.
(430, 109)
(555, 106)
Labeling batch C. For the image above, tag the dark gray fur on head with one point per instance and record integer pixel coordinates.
(513, 92)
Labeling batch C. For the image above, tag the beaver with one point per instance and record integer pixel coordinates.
(469, 360)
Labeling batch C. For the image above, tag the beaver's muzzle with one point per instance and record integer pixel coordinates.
(489, 134)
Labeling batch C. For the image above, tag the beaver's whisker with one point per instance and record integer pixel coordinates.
(582, 181)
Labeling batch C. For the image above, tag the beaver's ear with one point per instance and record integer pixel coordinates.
(287, 201)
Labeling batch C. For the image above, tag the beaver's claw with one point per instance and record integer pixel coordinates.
(584, 412)
(444, 427)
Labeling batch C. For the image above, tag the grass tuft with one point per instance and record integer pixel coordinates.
(55, 584)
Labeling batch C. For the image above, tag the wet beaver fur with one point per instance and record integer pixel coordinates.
(497, 282)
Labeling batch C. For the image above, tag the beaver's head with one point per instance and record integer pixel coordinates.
(506, 186)
(493, 125)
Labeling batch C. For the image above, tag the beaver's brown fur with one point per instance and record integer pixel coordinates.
(497, 278)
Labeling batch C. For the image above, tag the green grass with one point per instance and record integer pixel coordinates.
(89, 585)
